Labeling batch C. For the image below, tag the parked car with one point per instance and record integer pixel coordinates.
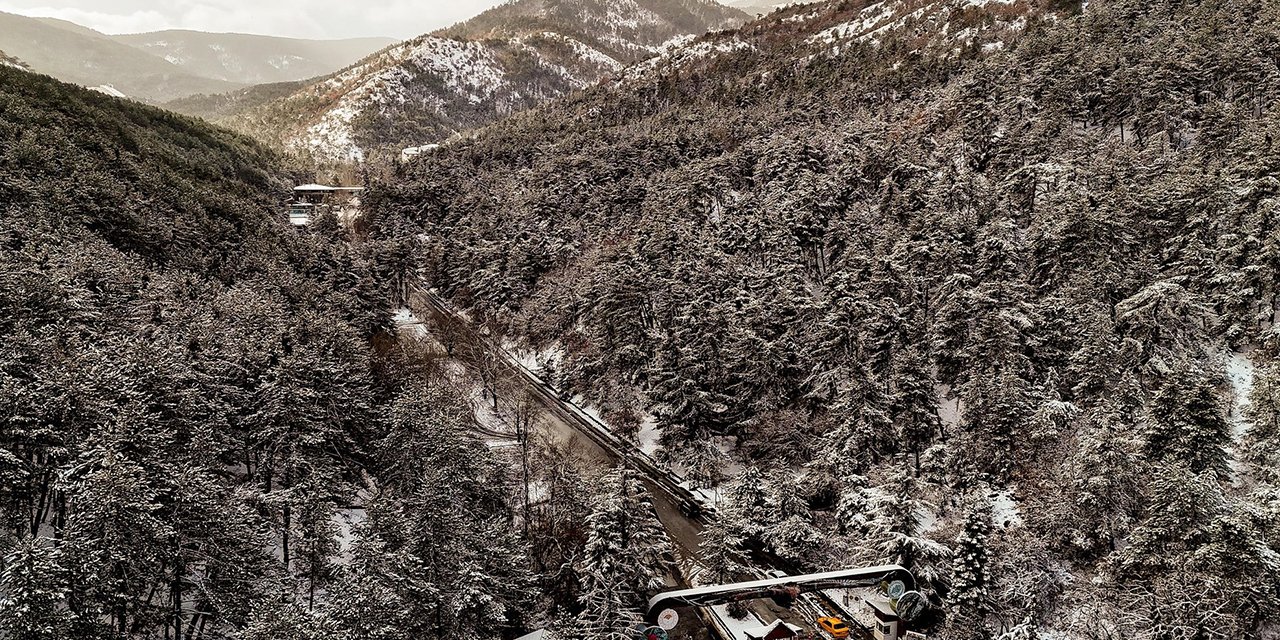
(834, 626)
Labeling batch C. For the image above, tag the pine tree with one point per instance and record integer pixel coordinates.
(969, 597)
(625, 558)
(33, 582)
(789, 530)
(721, 556)
(1263, 414)
(1187, 425)
(746, 506)
(1196, 548)
(898, 514)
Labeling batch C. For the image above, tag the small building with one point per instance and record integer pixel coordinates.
(409, 153)
(540, 634)
(887, 626)
(776, 631)
(309, 199)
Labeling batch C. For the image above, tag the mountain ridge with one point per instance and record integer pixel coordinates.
(252, 59)
(428, 88)
(162, 66)
(90, 59)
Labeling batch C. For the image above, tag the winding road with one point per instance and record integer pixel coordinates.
(681, 513)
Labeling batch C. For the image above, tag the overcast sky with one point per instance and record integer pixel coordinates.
(294, 18)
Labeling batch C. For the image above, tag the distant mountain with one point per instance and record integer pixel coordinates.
(627, 30)
(252, 59)
(505, 60)
(761, 7)
(75, 54)
(221, 106)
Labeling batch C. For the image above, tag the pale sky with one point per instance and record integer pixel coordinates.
(294, 18)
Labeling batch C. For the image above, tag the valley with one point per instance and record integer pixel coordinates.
(660, 319)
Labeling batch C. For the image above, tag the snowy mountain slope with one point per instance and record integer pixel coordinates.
(252, 59)
(627, 30)
(904, 252)
(818, 31)
(508, 59)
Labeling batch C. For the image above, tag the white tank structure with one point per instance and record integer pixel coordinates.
(310, 200)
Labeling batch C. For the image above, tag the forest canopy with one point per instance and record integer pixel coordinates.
(1022, 264)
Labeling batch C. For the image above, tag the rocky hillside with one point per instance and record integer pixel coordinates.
(508, 59)
(986, 289)
(252, 59)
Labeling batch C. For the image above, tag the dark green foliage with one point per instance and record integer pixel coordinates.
(187, 402)
(739, 250)
(1189, 426)
(969, 597)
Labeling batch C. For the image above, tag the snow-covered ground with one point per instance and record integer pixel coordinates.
(1004, 509)
(406, 322)
(1239, 371)
(949, 409)
(736, 628)
(109, 90)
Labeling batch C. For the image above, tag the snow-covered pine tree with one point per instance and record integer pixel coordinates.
(789, 528)
(896, 529)
(1107, 483)
(1196, 551)
(721, 556)
(968, 598)
(746, 506)
(35, 586)
(626, 555)
(1262, 441)
(1187, 424)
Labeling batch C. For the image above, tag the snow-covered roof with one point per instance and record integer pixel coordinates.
(881, 606)
(324, 187)
(760, 632)
(540, 634)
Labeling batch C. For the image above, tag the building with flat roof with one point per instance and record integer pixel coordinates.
(776, 631)
(308, 199)
(888, 626)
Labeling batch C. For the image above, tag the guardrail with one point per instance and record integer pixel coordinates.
(664, 479)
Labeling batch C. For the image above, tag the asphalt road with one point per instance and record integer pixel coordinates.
(559, 419)
(567, 423)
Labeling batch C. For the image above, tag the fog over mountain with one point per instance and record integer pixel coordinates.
(305, 19)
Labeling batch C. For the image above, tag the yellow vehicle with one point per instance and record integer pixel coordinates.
(834, 626)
